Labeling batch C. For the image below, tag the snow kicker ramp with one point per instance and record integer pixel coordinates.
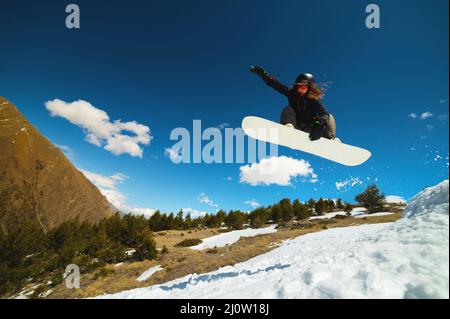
(405, 259)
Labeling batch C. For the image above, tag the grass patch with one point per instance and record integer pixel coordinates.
(189, 242)
(104, 272)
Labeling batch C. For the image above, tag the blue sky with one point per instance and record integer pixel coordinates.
(166, 64)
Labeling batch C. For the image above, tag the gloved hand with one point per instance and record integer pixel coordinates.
(258, 70)
(316, 131)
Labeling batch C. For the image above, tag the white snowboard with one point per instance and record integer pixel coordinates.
(272, 132)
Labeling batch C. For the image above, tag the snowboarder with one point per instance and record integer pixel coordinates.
(305, 110)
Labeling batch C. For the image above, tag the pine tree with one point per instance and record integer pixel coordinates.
(187, 221)
(320, 207)
(287, 211)
(301, 211)
(348, 208)
(331, 205)
(212, 221)
(170, 220)
(371, 198)
(339, 204)
(275, 213)
(259, 217)
(145, 245)
(221, 215)
(311, 203)
(178, 221)
(235, 220)
(155, 221)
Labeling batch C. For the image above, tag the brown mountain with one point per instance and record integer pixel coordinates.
(37, 181)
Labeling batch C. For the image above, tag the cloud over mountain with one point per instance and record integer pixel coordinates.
(108, 187)
(115, 136)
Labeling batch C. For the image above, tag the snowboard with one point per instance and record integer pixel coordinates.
(272, 132)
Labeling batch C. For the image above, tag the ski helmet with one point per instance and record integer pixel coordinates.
(305, 78)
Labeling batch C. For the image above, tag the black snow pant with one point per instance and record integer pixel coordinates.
(288, 116)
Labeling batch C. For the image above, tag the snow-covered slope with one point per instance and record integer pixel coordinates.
(405, 259)
(357, 212)
(231, 237)
(429, 201)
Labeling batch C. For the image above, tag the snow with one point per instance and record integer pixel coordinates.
(46, 293)
(27, 292)
(148, 273)
(405, 259)
(231, 237)
(130, 252)
(430, 200)
(358, 212)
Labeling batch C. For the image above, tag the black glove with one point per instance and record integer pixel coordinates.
(316, 131)
(258, 70)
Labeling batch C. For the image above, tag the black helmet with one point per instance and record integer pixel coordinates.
(305, 78)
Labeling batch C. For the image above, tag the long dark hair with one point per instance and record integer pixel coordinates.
(314, 92)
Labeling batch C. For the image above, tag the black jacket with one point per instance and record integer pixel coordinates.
(307, 110)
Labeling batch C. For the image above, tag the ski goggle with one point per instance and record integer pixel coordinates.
(301, 85)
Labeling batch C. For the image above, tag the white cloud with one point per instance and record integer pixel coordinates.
(276, 170)
(108, 187)
(100, 130)
(412, 115)
(426, 115)
(395, 199)
(115, 197)
(430, 127)
(204, 199)
(147, 212)
(193, 212)
(253, 203)
(69, 152)
(105, 181)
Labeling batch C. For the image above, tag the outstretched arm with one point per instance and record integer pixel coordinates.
(270, 80)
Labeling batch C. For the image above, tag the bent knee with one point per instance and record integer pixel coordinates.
(331, 127)
(288, 116)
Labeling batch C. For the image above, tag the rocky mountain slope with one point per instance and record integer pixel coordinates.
(37, 181)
